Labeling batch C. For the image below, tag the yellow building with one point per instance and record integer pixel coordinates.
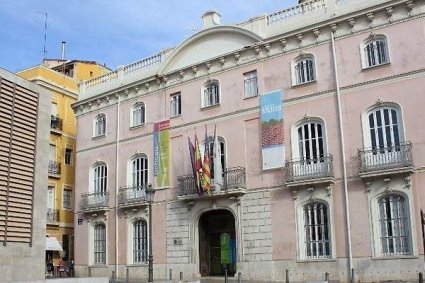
(61, 78)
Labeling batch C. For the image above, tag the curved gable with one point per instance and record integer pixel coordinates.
(208, 44)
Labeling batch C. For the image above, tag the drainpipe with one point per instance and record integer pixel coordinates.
(117, 183)
(344, 164)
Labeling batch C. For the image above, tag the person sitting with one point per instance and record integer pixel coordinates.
(49, 269)
(61, 269)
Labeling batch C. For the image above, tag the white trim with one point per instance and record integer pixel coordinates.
(371, 38)
(91, 176)
(94, 133)
(295, 61)
(377, 189)
(304, 197)
(133, 109)
(90, 250)
(130, 168)
(207, 83)
(139, 215)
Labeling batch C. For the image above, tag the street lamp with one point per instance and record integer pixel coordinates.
(150, 192)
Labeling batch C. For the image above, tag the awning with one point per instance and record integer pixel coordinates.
(52, 244)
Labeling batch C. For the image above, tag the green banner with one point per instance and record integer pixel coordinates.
(161, 153)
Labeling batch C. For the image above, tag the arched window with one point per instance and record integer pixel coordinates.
(138, 114)
(100, 244)
(317, 230)
(140, 241)
(375, 51)
(99, 178)
(394, 225)
(222, 152)
(99, 127)
(210, 94)
(304, 70)
(311, 141)
(384, 127)
(139, 171)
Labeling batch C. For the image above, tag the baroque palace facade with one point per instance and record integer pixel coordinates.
(343, 193)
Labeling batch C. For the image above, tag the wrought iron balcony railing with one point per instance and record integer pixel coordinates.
(94, 201)
(55, 123)
(309, 169)
(54, 168)
(52, 216)
(233, 179)
(385, 158)
(132, 195)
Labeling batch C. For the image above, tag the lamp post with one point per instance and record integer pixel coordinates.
(150, 192)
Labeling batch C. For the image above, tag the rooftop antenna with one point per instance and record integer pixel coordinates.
(45, 34)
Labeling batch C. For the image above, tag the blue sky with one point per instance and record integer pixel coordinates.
(111, 32)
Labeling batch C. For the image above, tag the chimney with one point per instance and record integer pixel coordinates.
(63, 50)
(211, 19)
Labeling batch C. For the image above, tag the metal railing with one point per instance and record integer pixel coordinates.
(384, 158)
(301, 170)
(94, 200)
(233, 178)
(54, 167)
(55, 123)
(132, 194)
(52, 216)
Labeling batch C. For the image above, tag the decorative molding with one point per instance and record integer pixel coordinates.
(408, 181)
(294, 194)
(368, 185)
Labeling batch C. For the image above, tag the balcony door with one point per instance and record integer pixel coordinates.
(311, 150)
(385, 137)
(100, 177)
(139, 177)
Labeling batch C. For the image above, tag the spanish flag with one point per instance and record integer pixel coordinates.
(206, 181)
(198, 165)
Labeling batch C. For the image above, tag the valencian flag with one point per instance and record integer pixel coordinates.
(198, 165)
(206, 165)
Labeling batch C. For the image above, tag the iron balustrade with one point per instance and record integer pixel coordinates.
(233, 178)
(132, 194)
(54, 167)
(385, 158)
(315, 168)
(55, 123)
(94, 200)
(52, 216)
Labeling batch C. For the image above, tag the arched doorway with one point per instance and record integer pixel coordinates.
(217, 243)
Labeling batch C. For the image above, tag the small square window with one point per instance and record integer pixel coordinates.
(175, 105)
(68, 156)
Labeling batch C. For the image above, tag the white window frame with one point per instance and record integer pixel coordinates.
(99, 178)
(67, 188)
(365, 55)
(91, 240)
(140, 256)
(211, 97)
(377, 189)
(138, 114)
(99, 126)
(300, 67)
(223, 151)
(175, 104)
(294, 136)
(133, 171)
(250, 83)
(132, 218)
(319, 194)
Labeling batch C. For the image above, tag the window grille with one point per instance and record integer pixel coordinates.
(175, 105)
(100, 244)
(250, 84)
(310, 142)
(211, 94)
(100, 176)
(394, 225)
(304, 71)
(384, 130)
(317, 236)
(138, 114)
(100, 126)
(140, 242)
(139, 171)
(67, 199)
(376, 53)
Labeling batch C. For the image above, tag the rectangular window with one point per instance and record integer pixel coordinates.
(68, 156)
(67, 198)
(175, 105)
(250, 84)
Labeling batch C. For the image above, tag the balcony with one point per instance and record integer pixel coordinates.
(94, 202)
(132, 197)
(234, 184)
(52, 217)
(309, 172)
(54, 169)
(385, 161)
(55, 124)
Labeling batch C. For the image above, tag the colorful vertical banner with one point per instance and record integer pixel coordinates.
(272, 138)
(161, 153)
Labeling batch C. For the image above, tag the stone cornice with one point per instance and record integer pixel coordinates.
(356, 22)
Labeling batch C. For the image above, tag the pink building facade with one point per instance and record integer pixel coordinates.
(347, 197)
